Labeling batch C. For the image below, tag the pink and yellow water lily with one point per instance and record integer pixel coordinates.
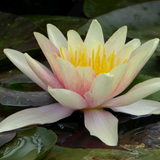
(87, 76)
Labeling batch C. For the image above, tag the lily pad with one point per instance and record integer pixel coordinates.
(143, 21)
(93, 8)
(129, 152)
(17, 33)
(27, 141)
(64, 23)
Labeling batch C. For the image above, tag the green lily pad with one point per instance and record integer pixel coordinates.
(64, 23)
(17, 33)
(143, 21)
(93, 8)
(31, 155)
(129, 152)
(29, 142)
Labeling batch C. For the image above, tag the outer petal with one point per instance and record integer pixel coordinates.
(124, 54)
(49, 49)
(118, 73)
(68, 98)
(100, 90)
(75, 40)
(56, 36)
(103, 125)
(134, 42)
(138, 92)
(72, 80)
(43, 73)
(116, 41)
(136, 63)
(20, 62)
(40, 115)
(130, 73)
(94, 33)
(141, 107)
(152, 44)
(87, 75)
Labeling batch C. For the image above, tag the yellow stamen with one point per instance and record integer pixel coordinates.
(97, 61)
(61, 52)
(56, 55)
(125, 61)
(118, 61)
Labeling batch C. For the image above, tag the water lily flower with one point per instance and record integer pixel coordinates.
(87, 76)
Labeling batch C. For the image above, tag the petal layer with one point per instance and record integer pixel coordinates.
(134, 42)
(75, 40)
(141, 107)
(130, 73)
(49, 49)
(118, 73)
(94, 33)
(116, 41)
(68, 98)
(72, 80)
(43, 73)
(100, 90)
(20, 62)
(56, 36)
(40, 115)
(87, 75)
(138, 92)
(103, 125)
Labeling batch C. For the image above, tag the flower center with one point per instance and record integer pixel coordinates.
(98, 61)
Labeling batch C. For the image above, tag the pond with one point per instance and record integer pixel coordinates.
(101, 118)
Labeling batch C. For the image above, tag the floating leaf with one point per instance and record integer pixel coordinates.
(93, 8)
(31, 155)
(143, 21)
(134, 152)
(26, 142)
(17, 33)
(64, 23)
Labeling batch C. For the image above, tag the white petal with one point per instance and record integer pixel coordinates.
(94, 33)
(151, 44)
(116, 41)
(103, 125)
(100, 90)
(68, 98)
(40, 115)
(141, 107)
(118, 73)
(72, 79)
(134, 42)
(20, 62)
(138, 92)
(75, 40)
(43, 73)
(56, 36)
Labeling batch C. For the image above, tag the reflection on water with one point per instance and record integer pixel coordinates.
(20, 147)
